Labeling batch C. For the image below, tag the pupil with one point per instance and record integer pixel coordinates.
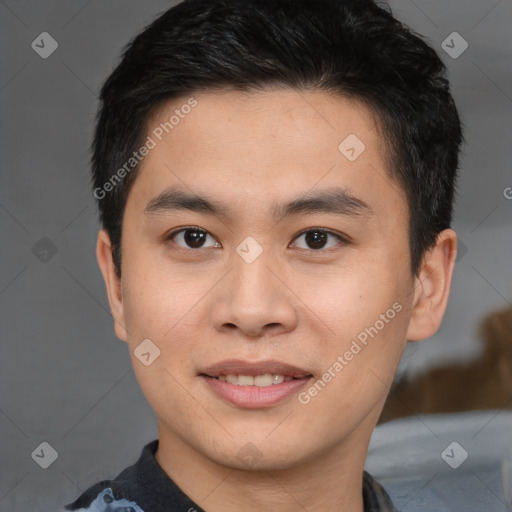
(316, 239)
(194, 238)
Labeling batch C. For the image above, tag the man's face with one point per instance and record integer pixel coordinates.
(258, 282)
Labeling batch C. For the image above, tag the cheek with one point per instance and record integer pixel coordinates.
(366, 314)
(164, 309)
(350, 299)
(157, 302)
(359, 367)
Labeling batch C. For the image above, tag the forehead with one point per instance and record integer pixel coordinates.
(265, 146)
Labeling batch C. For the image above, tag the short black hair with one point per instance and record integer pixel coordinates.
(353, 48)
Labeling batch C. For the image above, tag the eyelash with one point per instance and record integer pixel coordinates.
(309, 230)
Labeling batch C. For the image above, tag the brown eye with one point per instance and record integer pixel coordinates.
(191, 238)
(317, 239)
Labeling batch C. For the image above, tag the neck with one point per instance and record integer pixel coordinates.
(330, 481)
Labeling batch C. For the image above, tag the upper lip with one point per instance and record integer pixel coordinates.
(240, 367)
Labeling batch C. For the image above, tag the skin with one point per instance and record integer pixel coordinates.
(294, 303)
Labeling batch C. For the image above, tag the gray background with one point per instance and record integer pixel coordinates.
(65, 378)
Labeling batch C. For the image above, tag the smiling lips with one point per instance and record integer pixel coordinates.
(254, 385)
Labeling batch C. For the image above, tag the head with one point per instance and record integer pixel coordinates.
(320, 138)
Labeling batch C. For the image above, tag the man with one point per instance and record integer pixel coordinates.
(275, 181)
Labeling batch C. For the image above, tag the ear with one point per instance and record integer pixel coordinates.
(432, 287)
(112, 282)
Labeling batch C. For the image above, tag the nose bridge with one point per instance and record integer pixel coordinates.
(251, 298)
(252, 277)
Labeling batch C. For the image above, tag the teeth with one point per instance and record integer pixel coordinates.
(232, 379)
(245, 380)
(259, 381)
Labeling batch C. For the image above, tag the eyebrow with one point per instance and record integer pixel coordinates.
(336, 200)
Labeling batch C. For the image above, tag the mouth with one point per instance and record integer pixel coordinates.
(254, 385)
(262, 381)
(262, 373)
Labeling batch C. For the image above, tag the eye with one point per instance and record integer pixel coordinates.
(317, 239)
(192, 238)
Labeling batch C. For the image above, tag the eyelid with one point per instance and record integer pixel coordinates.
(177, 231)
(342, 238)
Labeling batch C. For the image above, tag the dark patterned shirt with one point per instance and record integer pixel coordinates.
(145, 487)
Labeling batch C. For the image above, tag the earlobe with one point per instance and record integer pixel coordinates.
(432, 287)
(112, 283)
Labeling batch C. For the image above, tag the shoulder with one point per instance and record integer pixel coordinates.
(122, 494)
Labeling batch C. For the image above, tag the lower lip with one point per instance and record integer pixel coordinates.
(255, 397)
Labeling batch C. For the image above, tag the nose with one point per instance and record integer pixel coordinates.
(254, 301)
